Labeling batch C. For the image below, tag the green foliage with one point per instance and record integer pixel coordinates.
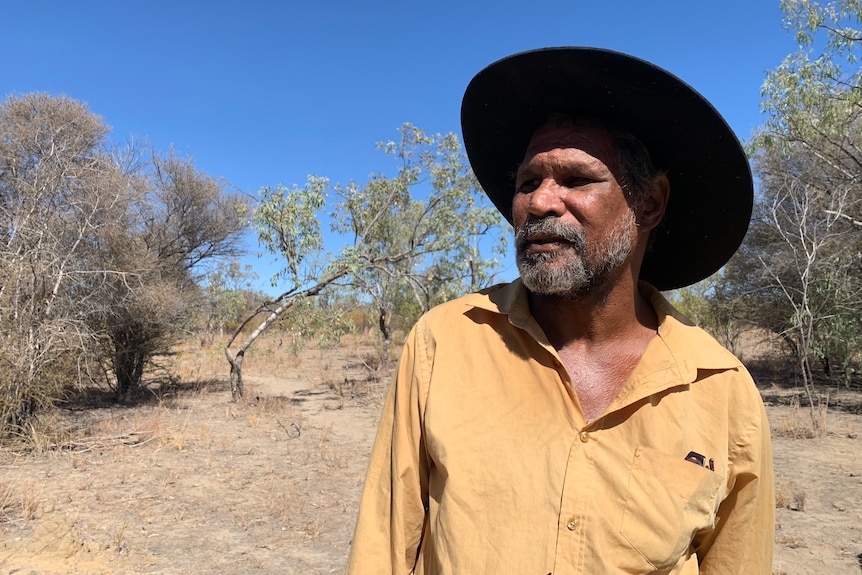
(228, 296)
(425, 247)
(320, 319)
(287, 223)
(799, 272)
(694, 302)
(837, 334)
(411, 240)
(406, 242)
(815, 91)
(709, 305)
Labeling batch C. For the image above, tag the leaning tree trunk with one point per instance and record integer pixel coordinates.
(284, 302)
(236, 389)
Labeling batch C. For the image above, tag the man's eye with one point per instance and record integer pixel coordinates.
(577, 182)
(527, 186)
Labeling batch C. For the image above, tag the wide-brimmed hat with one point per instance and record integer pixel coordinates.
(711, 189)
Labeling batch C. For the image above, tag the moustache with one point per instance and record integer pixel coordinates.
(548, 229)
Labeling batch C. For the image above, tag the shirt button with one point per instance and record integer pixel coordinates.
(572, 523)
(584, 436)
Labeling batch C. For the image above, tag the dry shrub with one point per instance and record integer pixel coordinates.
(19, 501)
(789, 496)
(796, 422)
(46, 431)
(29, 388)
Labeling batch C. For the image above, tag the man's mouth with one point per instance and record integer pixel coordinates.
(547, 236)
(548, 242)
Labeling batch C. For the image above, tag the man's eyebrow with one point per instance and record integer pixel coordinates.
(523, 170)
(572, 165)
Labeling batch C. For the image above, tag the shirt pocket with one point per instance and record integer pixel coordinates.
(668, 501)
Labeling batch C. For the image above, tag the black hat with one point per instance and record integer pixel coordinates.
(711, 189)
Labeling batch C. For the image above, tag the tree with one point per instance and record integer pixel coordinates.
(433, 245)
(58, 191)
(807, 236)
(228, 295)
(287, 222)
(100, 252)
(411, 240)
(181, 220)
(709, 305)
(806, 264)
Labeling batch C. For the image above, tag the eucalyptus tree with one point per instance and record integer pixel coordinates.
(228, 293)
(807, 236)
(426, 247)
(408, 241)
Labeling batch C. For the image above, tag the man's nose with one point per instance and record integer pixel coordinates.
(547, 199)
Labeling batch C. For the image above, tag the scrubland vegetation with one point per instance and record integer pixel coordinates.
(160, 414)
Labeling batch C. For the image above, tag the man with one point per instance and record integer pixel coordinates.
(572, 421)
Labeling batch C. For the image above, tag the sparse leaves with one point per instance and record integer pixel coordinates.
(406, 242)
(799, 271)
(287, 223)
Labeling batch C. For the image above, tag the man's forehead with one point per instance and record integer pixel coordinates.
(592, 139)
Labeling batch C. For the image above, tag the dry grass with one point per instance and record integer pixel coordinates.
(18, 500)
(798, 422)
(189, 481)
(789, 496)
(266, 481)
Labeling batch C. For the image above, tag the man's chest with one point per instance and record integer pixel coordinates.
(512, 467)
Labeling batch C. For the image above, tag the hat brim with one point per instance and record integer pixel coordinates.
(711, 188)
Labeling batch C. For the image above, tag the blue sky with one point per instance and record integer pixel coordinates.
(264, 92)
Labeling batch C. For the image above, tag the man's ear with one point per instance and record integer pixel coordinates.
(654, 203)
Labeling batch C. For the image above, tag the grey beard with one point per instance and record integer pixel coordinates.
(583, 272)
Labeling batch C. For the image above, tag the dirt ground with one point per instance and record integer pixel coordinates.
(191, 482)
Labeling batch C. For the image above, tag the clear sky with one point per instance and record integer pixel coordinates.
(264, 92)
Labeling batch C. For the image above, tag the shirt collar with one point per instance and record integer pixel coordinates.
(512, 300)
(680, 347)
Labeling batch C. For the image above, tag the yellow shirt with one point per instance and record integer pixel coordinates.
(483, 463)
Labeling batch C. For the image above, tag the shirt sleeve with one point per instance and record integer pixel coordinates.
(743, 538)
(394, 501)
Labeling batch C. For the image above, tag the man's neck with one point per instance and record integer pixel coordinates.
(599, 339)
(609, 315)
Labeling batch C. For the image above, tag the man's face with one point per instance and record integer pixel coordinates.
(573, 225)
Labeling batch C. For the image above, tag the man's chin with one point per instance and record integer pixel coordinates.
(554, 282)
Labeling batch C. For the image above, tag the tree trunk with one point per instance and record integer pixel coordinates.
(384, 322)
(129, 361)
(282, 304)
(236, 389)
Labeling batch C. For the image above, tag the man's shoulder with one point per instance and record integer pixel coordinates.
(702, 344)
(687, 339)
(494, 299)
(491, 298)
